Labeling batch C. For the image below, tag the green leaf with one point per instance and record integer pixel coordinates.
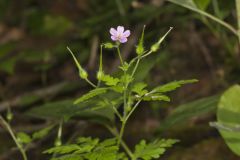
(87, 148)
(109, 80)
(228, 113)
(189, 4)
(91, 94)
(63, 149)
(152, 150)
(188, 110)
(68, 157)
(23, 138)
(106, 150)
(202, 4)
(126, 79)
(66, 109)
(41, 133)
(139, 88)
(172, 86)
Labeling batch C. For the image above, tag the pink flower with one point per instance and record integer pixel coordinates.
(119, 34)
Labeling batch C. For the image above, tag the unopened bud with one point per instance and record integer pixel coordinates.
(155, 47)
(83, 74)
(108, 45)
(100, 75)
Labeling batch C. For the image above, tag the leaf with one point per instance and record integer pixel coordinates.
(68, 157)
(63, 149)
(172, 86)
(41, 133)
(152, 150)
(66, 109)
(23, 138)
(189, 4)
(87, 148)
(139, 88)
(106, 150)
(186, 111)
(228, 113)
(91, 94)
(109, 81)
(202, 4)
(126, 79)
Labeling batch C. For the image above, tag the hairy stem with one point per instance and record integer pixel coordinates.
(21, 149)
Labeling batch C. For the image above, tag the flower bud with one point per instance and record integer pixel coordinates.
(155, 47)
(83, 74)
(100, 75)
(108, 45)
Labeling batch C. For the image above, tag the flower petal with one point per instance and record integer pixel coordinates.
(113, 31)
(120, 29)
(123, 40)
(126, 33)
(114, 38)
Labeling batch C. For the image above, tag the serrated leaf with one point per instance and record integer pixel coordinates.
(87, 148)
(68, 157)
(172, 86)
(63, 149)
(106, 150)
(139, 88)
(152, 150)
(23, 138)
(126, 79)
(91, 94)
(109, 80)
(41, 133)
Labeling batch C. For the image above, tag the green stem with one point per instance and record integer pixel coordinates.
(133, 109)
(119, 54)
(136, 66)
(238, 17)
(121, 131)
(14, 138)
(147, 54)
(123, 144)
(88, 81)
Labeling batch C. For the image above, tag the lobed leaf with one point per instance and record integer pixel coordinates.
(139, 88)
(172, 86)
(152, 150)
(91, 94)
(109, 80)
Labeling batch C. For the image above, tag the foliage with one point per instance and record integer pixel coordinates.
(188, 110)
(228, 114)
(152, 150)
(111, 94)
(86, 148)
